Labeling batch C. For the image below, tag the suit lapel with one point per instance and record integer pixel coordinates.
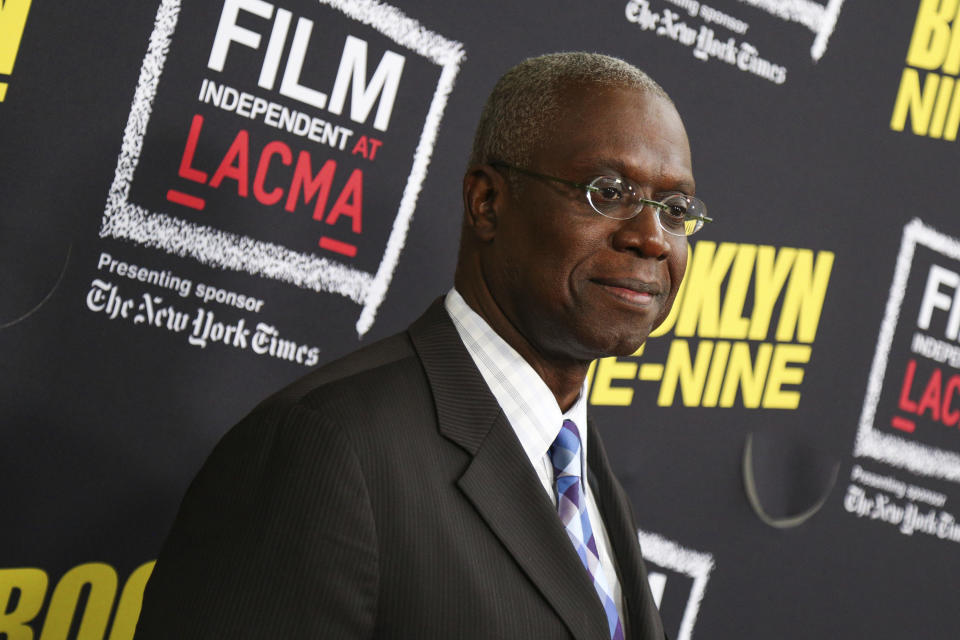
(499, 482)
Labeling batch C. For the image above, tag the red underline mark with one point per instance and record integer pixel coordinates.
(340, 247)
(903, 424)
(178, 197)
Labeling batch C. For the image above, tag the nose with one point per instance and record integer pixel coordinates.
(644, 235)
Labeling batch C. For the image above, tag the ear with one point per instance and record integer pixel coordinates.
(483, 196)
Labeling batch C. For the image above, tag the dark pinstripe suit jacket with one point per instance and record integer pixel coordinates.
(385, 495)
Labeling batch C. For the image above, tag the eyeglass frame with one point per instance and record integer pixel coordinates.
(588, 187)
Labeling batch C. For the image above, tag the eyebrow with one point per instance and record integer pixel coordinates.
(682, 184)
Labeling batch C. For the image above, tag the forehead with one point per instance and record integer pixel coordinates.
(628, 131)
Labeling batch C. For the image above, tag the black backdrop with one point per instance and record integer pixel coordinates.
(790, 441)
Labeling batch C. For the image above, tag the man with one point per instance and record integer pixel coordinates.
(432, 485)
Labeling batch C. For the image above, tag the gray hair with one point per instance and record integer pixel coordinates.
(526, 100)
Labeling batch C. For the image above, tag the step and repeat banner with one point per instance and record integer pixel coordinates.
(204, 199)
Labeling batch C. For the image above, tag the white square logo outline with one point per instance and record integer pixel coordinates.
(695, 564)
(125, 220)
(889, 448)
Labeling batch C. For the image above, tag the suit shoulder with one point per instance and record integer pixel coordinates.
(384, 352)
(359, 395)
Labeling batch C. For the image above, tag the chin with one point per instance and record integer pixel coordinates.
(627, 348)
(620, 345)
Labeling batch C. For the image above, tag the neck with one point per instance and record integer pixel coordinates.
(563, 376)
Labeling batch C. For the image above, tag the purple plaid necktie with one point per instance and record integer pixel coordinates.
(572, 507)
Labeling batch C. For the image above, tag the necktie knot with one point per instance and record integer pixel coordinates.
(565, 451)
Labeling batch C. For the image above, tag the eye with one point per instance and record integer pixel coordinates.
(609, 191)
(612, 197)
(676, 211)
(682, 214)
(677, 205)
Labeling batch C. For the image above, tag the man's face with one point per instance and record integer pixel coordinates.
(574, 283)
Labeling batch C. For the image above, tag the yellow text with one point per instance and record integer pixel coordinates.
(24, 590)
(13, 19)
(742, 326)
(933, 105)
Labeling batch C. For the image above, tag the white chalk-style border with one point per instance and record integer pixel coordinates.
(889, 448)
(819, 18)
(695, 564)
(127, 221)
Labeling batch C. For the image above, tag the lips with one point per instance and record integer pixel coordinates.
(631, 290)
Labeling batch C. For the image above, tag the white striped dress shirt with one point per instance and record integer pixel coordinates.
(532, 411)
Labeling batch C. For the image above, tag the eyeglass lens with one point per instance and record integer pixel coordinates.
(678, 214)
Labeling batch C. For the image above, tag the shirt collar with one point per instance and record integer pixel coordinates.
(524, 397)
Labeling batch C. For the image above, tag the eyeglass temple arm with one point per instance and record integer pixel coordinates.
(570, 183)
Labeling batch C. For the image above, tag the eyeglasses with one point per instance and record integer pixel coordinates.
(618, 198)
